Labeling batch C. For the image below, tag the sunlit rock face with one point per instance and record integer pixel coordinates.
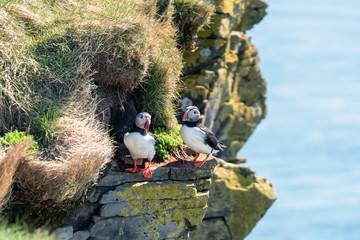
(222, 76)
(238, 200)
(129, 206)
(220, 200)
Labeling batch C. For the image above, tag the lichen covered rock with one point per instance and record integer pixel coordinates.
(222, 76)
(212, 228)
(238, 200)
(150, 210)
(129, 206)
(175, 202)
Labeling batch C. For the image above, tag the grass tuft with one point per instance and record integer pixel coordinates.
(190, 16)
(21, 232)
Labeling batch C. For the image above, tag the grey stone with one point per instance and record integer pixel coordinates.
(205, 52)
(81, 235)
(243, 169)
(145, 227)
(141, 207)
(192, 173)
(213, 228)
(82, 216)
(149, 190)
(118, 178)
(96, 218)
(236, 39)
(95, 195)
(63, 233)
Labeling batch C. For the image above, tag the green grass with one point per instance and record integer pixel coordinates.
(167, 141)
(21, 232)
(43, 126)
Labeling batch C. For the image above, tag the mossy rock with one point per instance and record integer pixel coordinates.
(239, 199)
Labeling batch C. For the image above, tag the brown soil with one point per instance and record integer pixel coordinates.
(178, 159)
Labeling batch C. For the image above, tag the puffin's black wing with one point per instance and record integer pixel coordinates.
(153, 137)
(211, 138)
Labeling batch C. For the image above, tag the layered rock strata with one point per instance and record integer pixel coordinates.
(175, 204)
(128, 206)
(238, 200)
(222, 76)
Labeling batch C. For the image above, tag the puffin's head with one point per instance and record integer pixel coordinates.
(192, 114)
(143, 120)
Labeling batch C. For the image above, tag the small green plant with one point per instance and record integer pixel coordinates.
(167, 141)
(14, 137)
(19, 231)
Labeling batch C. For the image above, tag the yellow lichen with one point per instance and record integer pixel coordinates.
(125, 212)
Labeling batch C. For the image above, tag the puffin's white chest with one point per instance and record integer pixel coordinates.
(140, 146)
(194, 138)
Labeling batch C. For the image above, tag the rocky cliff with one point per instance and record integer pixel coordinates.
(222, 76)
(221, 200)
(77, 72)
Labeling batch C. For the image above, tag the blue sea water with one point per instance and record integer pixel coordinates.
(309, 144)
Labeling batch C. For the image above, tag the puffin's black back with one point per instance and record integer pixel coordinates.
(211, 139)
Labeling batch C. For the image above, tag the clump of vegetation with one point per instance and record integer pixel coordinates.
(190, 16)
(167, 142)
(14, 137)
(19, 232)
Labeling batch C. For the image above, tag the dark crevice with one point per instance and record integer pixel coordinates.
(227, 226)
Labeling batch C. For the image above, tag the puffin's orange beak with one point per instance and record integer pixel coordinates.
(184, 116)
(147, 125)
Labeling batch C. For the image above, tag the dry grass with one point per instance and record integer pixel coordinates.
(25, 16)
(84, 150)
(9, 162)
(190, 16)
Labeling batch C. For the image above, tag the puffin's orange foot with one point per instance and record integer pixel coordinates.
(195, 158)
(147, 172)
(135, 169)
(199, 164)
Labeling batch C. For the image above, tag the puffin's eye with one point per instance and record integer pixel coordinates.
(141, 116)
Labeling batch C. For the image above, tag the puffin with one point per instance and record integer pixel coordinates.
(198, 137)
(141, 143)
